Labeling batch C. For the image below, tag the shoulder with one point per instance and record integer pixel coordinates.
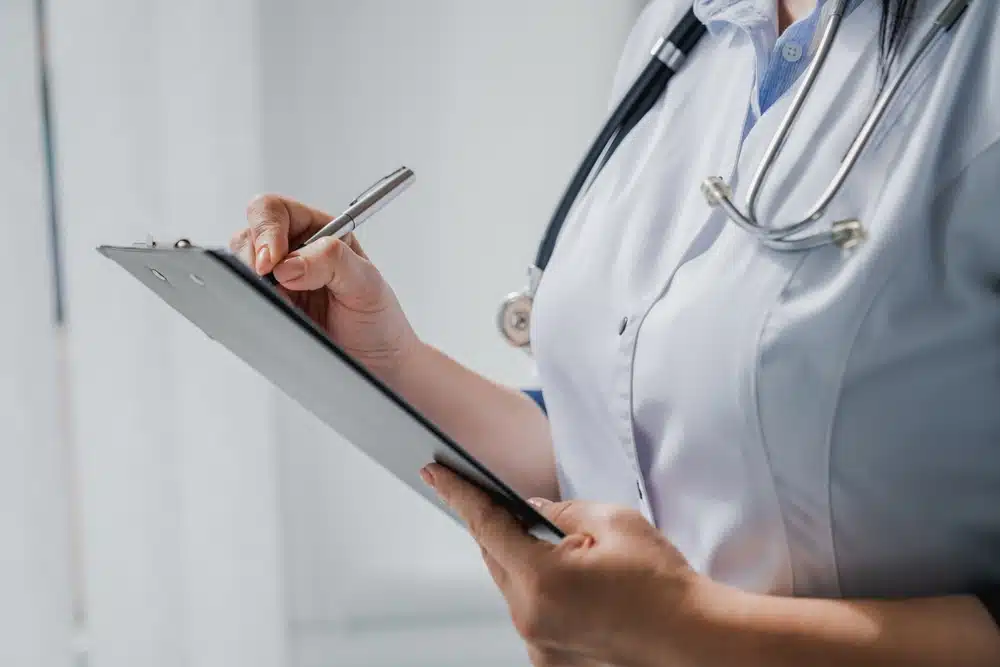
(656, 18)
(971, 79)
(964, 105)
(953, 92)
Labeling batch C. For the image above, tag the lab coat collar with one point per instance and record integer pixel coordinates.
(720, 15)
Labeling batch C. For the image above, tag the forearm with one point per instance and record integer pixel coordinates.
(498, 425)
(764, 631)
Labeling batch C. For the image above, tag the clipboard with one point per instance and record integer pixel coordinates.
(235, 307)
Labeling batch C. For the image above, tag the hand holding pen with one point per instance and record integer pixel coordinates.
(328, 275)
(358, 211)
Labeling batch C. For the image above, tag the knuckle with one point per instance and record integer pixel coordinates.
(351, 241)
(264, 211)
(487, 522)
(559, 510)
(324, 260)
(239, 239)
(479, 521)
(261, 204)
(491, 530)
(331, 249)
(310, 264)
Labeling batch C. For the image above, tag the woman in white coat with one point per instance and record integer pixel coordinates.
(759, 457)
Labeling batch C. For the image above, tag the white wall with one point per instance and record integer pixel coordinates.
(35, 593)
(492, 104)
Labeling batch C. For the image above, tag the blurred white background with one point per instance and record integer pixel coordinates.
(160, 504)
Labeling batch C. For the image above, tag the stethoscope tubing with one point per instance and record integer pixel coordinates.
(633, 107)
(668, 56)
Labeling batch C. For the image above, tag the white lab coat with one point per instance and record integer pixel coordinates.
(796, 423)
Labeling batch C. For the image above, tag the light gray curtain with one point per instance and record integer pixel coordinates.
(156, 117)
(36, 605)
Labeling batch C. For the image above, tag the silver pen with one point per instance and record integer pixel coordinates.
(363, 207)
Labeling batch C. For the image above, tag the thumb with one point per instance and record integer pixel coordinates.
(571, 516)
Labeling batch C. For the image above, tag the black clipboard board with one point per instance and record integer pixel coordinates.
(224, 298)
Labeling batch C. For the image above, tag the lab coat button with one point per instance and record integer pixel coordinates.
(622, 325)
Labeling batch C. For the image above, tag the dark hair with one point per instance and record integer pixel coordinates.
(896, 15)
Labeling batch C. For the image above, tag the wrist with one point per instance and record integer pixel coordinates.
(698, 627)
(402, 364)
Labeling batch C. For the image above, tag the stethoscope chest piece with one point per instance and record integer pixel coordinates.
(514, 319)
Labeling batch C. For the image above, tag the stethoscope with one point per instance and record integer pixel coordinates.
(668, 55)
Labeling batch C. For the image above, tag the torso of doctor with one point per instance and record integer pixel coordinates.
(802, 423)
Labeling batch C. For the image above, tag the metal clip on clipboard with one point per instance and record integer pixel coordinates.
(149, 242)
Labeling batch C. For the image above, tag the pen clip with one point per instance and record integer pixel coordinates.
(375, 185)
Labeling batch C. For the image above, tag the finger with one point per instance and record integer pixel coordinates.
(327, 262)
(352, 242)
(493, 527)
(273, 222)
(573, 516)
(240, 246)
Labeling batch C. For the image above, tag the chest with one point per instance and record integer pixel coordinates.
(735, 383)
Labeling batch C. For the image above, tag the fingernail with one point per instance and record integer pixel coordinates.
(426, 475)
(291, 269)
(538, 503)
(263, 260)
